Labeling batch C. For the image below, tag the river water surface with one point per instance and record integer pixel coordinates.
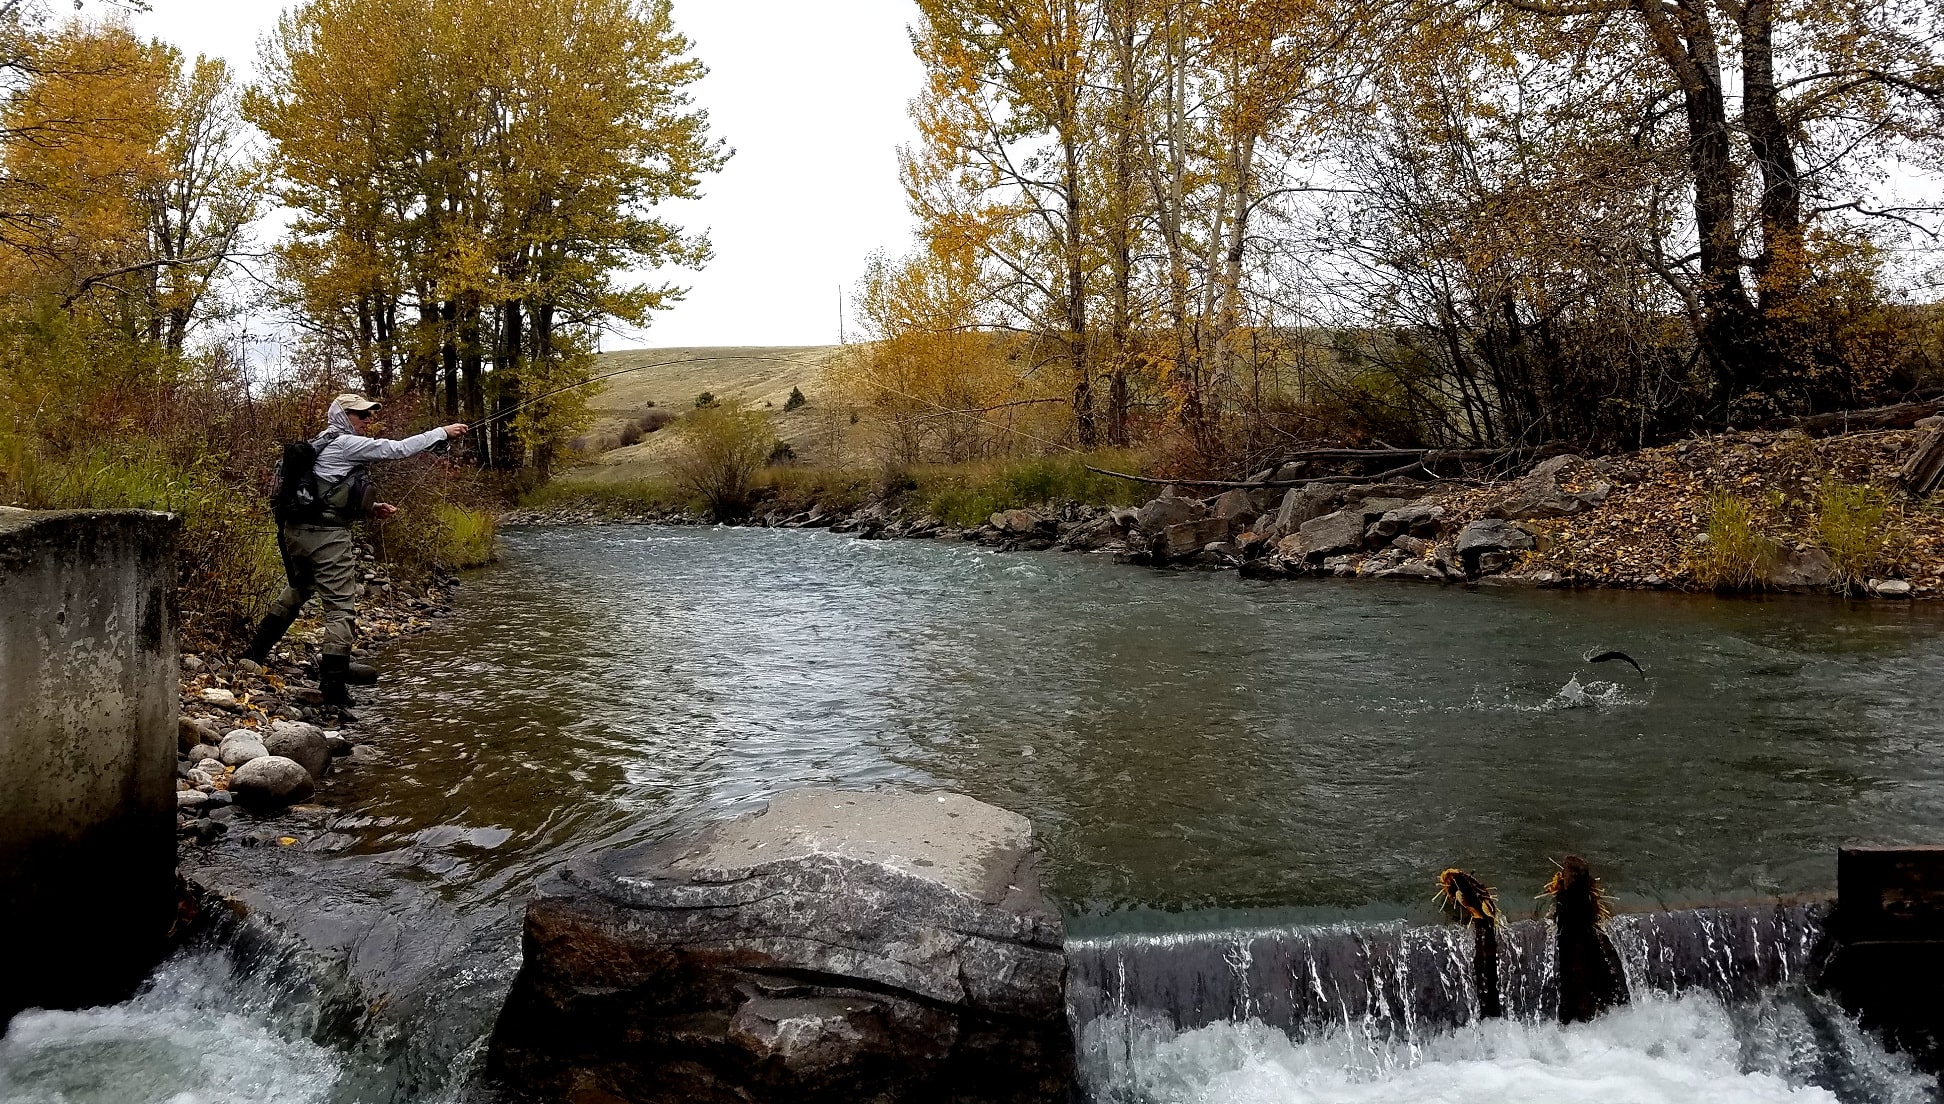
(1293, 761)
(1182, 741)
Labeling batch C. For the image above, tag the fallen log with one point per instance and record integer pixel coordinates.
(1428, 455)
(1921, 473)
(1257, 484)
(1900, 416)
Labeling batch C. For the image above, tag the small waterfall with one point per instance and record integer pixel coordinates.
(1721, 1009)
(1399, 982)
(317, 997)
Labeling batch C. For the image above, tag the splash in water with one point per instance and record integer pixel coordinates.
(1686, 1050)
(1598, 694)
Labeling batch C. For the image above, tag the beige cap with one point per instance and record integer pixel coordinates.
(351, 400)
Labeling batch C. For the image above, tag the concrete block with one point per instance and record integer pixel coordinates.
(88, 695)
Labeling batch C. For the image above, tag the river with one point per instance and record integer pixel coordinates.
(1197, 751)
(1182, 741)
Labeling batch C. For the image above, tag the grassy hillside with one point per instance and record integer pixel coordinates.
(672, 378)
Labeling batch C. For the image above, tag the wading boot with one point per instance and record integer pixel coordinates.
(331, 671)
(268, 633)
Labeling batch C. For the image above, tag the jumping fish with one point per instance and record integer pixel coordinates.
(1607, 657)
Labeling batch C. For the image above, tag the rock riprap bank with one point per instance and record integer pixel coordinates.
(839, 946)
(1639, 520)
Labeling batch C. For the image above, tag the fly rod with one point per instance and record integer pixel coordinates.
(508, 413)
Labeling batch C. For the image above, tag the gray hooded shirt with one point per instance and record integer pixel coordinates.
(348, 449)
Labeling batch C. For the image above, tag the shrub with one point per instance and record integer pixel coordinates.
(800, 488)
(1849, 522)
(722, 449)
(227, 562)
(447, 517)
(469, 535)
(968, 494)
(1737, 556)
(705, 400)
(795, 401)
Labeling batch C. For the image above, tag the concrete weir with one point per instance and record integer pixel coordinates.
(88, 677)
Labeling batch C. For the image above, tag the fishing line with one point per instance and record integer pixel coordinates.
(870, 376)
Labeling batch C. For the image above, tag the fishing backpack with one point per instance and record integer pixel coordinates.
(299, 497)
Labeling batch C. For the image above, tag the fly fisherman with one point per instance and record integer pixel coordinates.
(314, 534)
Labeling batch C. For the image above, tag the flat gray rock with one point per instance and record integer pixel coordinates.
(839, 946)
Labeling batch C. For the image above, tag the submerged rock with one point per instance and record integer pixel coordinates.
(838, 947)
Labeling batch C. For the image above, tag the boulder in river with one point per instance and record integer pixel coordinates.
(271, 782)
(839, 946)
(302, 742)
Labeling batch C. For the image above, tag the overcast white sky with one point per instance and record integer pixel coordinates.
(812, 97)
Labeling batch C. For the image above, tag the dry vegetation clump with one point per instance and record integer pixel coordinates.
(1760, 493)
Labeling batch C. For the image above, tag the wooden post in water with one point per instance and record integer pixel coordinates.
(1590, 977)
(1472, 902)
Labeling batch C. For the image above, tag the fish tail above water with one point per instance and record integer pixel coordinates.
(1610, 656)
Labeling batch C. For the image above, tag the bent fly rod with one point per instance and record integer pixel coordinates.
(509, 412)
(442, 446)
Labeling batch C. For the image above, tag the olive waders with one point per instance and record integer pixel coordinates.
(323, 560)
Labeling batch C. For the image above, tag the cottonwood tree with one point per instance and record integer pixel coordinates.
(1006, 127)
(472, 181)
(128, 186)
(1827, 92)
